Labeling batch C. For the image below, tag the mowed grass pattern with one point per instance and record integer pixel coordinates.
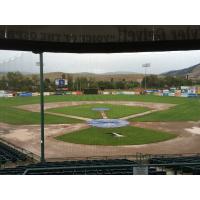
(15, 101)
(187, 109)
(100, 136)
(116, 111)
(17, 116)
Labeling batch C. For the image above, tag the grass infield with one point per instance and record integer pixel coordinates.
(116, 111)
(104, 136)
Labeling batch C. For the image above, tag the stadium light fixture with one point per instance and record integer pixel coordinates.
(146, 65)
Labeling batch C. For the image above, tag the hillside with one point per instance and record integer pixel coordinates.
(193, 72)
(117, 76)
(26, 64)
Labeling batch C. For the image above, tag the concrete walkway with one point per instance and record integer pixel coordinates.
(138, 115)
(70, 116)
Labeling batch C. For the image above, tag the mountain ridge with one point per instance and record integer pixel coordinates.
(192, 72)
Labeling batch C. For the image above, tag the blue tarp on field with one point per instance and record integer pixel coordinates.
(108, 123)
(25, 94)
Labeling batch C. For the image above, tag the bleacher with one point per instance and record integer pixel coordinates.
(178, 164)
(9, 154)
(188, 164)
(79, 167)
(90, 167)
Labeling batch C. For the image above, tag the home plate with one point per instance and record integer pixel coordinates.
(117, 135)
(194, 130)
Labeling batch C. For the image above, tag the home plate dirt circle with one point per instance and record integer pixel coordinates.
(108, 123)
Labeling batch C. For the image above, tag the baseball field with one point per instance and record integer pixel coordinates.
(155, 125)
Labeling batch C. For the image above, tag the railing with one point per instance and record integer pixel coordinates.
(141, 160)
(31, 156)
(107, 166)
(129, 157)
(139, 157)
(148, 156)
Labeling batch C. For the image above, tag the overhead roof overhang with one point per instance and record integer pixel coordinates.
(99, 39)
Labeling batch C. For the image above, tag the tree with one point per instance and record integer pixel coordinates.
(47, 84)
(36, 82)
(70, 82)
(132, 84)
(63, 76)
(120, 85)
(15, 80)
(3, 83)
(92, 83)
(152, 81)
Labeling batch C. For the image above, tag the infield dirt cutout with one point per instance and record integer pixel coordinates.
(153, 106)
(28, 136)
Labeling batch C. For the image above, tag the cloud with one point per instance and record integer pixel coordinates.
(99, 63)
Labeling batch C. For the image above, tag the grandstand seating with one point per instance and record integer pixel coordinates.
(187, 168)
(9, 154)
(90, 167)
(95, 167)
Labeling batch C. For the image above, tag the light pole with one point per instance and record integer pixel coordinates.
(145, 73)
(42, 147)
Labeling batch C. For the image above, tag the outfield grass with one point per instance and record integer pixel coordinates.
(116, 111)
(189, 111)
(186, 109)
(17, 116)
(100, 136)
(15, 101)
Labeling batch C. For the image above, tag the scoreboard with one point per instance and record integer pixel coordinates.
(61, 82)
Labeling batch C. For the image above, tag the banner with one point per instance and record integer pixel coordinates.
(100, 34)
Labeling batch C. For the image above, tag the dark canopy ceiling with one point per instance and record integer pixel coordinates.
(99, 39)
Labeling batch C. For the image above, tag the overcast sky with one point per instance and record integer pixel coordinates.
(101, 63)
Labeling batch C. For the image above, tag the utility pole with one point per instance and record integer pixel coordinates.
(42, 157)
(145, 74)
(41, 64)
